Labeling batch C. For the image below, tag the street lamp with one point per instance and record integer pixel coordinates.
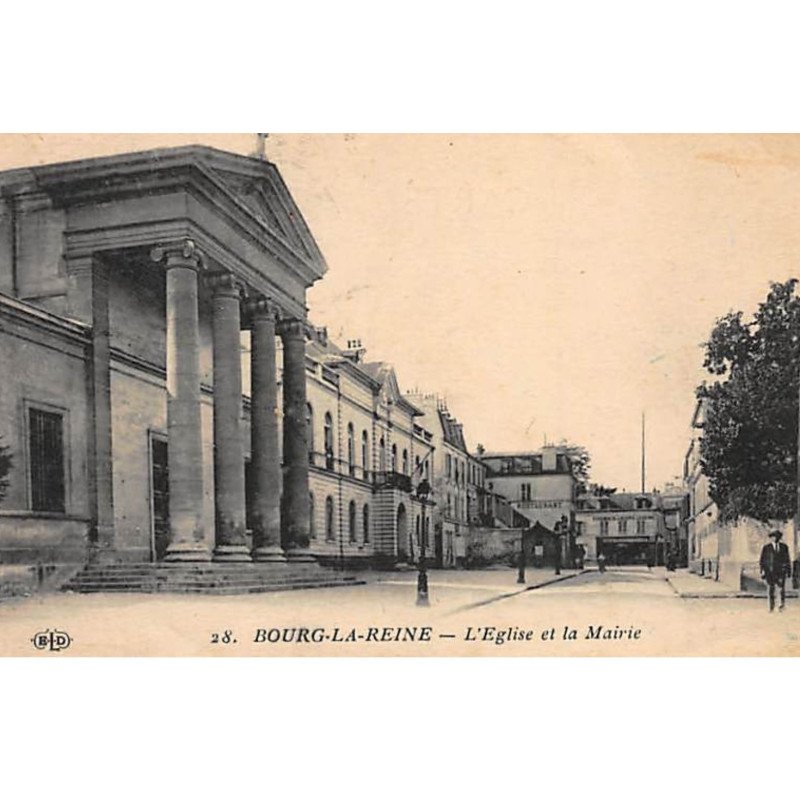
(521, 566)
(560, 530)
(423, 490)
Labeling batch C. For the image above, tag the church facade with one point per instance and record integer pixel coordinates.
(126, 284)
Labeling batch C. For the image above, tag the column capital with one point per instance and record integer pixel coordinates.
(226, 284)
(261, 307)
(293, 328)
(184, 253)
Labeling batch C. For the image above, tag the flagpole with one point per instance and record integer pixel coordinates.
(643, 455)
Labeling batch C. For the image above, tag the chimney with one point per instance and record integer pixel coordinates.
(355, 351)
(321, 335)
(549, 459)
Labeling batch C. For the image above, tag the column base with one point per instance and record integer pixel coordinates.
(269, 553)
(187, 551)
(300, 557)
(232, 553)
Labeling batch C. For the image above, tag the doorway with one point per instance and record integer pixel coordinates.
(159, 494)
(402, 533)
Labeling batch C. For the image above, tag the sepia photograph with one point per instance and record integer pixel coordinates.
(442, 440)
(351, 394)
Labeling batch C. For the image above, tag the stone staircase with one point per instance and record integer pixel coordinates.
(205, 578)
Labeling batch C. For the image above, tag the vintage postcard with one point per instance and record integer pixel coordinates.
(399, 395)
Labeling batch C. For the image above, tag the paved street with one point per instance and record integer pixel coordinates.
(626, 611)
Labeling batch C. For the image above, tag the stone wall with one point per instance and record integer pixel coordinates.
(730, 551)
(485, 546)
(42, 362)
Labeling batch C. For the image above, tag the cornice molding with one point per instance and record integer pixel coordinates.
(34, 316)
(165, 234)
(192, 169)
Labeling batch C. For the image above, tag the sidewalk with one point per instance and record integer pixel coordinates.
(490, 580)
(462, 587)
(688, 585)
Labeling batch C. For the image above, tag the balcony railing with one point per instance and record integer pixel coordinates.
(393, 480)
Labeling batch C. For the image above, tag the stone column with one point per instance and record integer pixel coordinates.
(187, 536)
(229, 493)
(87, 300)
(265, 456)
(295, 510)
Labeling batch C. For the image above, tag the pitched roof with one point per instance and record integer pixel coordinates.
(380, 374)
(525, 463)
(452, 430)
(620, 501)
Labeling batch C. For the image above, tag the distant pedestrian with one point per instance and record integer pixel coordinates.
(775, 568)
(601, 562)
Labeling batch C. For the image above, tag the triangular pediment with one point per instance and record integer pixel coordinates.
(261, 200)
(259, 186)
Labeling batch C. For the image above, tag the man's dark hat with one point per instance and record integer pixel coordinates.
(776, 534)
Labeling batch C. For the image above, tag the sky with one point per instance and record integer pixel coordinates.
(548, 286)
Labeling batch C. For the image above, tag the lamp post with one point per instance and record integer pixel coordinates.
(521, 570)
(423, 490)
(560, 530)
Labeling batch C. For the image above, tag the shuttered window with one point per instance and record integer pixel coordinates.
(46, 460)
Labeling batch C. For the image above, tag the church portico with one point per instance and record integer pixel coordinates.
(166, 258)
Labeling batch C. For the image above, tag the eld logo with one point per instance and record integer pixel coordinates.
(54, 641)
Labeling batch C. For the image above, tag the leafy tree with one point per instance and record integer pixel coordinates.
(580, 460)
(748, 448)
(6, 462)
(599, 490)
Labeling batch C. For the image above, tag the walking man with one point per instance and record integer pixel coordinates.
(775, 568)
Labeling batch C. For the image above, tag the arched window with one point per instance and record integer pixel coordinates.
(405, 462)
(416, 464)
(365, 454)
(312, 528)
(328, 441)
(394, 458)
(310, 432)
(365, 522)
(351, 519)
(329, 534)
(351, 449)
(382, 455)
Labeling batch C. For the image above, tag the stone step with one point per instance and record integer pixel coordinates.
(224, 576)
(205, 578)
(203, 567)
(199, 585)
(217, 590)
(171, 574)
